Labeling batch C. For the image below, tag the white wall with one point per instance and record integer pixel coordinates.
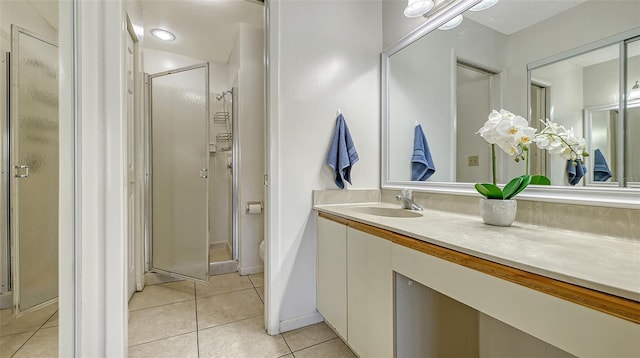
(394, 24)
(156, 61)
(324, 56)
(22, 14)
(250, 126)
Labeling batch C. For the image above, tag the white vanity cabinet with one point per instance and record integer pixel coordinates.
(370, 294)
(355, 287)
(332, 274)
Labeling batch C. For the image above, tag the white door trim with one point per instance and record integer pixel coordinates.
(274, 288)
(67, 229)
(93, 318)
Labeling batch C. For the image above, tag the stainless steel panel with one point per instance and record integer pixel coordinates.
(179, 162)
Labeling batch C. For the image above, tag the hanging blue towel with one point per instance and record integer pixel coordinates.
(576, 172)
(342, 153)
(421, 162)
(601, 170)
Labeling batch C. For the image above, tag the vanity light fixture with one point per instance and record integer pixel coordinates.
(635, 91)
(483, 5)
(451, 23)
(163, 35)
(417, 8)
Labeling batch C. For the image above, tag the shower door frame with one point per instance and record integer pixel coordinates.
(148, 222)
(235, 145)
(13, 218)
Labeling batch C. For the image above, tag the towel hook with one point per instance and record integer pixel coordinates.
(416, 123)
(338, 112)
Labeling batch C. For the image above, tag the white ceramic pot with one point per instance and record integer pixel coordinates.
(498, 212)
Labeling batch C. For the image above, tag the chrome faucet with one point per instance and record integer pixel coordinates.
(407, 200)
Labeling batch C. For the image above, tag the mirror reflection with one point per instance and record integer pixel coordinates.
(583, 91)
(449, 81)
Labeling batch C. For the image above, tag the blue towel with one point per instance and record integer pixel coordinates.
(601, 170)
(421, 162)
(576, 172)
(342, 153)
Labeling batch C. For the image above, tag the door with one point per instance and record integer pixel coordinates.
(539, 110)
(473, 96)
(179, 110)
(369, 294)
(34, 168)
(131, 170)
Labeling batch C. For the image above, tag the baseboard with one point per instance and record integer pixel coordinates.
(300, 321)
(218, 268)
(6, 300)
(218, 245)
(229, 250)
(250, 270)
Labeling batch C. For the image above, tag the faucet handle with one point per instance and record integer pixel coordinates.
(407, 193)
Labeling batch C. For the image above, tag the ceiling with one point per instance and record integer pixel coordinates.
(511, 16)
(205, 30)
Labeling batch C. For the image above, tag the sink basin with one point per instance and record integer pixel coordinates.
(388, 212)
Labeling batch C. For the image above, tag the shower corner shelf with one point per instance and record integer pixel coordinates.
(221, 117)
(223, 137)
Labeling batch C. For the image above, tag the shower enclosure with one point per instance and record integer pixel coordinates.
(31, 156)
(223, 182)
(178, 163)
(191, 221)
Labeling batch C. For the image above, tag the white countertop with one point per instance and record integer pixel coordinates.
(601, 263)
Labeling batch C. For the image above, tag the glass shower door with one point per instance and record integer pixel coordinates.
(179, 105)
(34, 168)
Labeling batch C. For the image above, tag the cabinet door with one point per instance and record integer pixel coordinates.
(370, 300)
(332, 274)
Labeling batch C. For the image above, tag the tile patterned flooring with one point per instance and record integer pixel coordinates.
(223, 318)
(217, 255)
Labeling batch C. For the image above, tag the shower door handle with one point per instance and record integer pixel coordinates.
(204, 173)
(22, 171)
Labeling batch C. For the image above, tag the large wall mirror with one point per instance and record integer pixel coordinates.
(536, 59)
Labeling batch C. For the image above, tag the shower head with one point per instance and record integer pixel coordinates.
(221, 95)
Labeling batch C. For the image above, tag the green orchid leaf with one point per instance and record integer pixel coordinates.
(540, 180)
(512, 187)
(526, 180)
(489, 191)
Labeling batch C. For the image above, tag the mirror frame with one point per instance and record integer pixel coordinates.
(598, 196)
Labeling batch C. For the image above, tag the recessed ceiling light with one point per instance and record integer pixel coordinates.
(451, 23)
(483, 5)
(163, 35)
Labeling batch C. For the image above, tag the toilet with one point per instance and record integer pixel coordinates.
(262, 251)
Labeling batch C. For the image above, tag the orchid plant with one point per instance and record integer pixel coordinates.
(512, 134)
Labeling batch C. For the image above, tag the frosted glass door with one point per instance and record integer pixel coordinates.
(34, 168)
(179, 171)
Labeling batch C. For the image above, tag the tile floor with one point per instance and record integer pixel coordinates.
(223, 318)
(218, 255)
